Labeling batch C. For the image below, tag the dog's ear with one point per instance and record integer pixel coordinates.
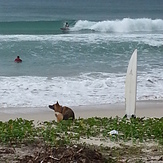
(57, 103)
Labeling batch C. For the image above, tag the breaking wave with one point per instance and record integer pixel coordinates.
(124, 25)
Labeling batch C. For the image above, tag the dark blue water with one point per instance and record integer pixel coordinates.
(34, 10)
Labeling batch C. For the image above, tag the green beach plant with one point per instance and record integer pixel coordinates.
(67, 132)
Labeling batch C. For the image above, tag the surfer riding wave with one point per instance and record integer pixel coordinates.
(65, 27)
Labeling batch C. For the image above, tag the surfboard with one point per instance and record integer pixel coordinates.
(131, 86)
(64, 29)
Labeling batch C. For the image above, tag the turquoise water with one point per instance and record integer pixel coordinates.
(87, 64)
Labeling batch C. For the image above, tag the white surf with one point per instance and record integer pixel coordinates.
(131, 86)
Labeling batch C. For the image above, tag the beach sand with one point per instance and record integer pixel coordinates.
(143, 109)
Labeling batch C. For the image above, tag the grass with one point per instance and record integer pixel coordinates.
(68, 132)
(21, 132)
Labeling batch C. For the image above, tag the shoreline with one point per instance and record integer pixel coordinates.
(148, 109)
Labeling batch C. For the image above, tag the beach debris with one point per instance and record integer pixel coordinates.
(76, 154)
(113, 132)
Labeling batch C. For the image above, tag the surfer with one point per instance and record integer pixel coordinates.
(18, 60)
(66, 25)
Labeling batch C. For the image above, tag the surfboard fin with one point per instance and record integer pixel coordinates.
(132, 116)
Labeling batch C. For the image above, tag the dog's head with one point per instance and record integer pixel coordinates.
(56, 107)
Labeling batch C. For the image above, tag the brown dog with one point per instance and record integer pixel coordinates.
(65, 113)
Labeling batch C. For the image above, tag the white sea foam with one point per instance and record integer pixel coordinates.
(86, 89)
(124, 25)
(149, 39)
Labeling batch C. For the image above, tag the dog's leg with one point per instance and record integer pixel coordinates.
(59, 117)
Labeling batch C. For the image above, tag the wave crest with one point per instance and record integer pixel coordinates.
(124, 25)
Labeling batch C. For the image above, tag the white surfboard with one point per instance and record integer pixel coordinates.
(131, 86)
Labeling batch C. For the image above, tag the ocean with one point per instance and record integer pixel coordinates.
(86, 65)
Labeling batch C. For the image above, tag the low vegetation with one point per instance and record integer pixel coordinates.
(70, 133)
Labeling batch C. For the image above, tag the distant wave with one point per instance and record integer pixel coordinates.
(124, 25)
(53, 27)
(141, 40)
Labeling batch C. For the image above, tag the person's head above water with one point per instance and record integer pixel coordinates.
(18, 59)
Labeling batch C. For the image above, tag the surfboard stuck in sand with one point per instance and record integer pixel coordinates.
(131, 86)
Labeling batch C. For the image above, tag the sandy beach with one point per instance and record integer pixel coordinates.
(143, 109)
